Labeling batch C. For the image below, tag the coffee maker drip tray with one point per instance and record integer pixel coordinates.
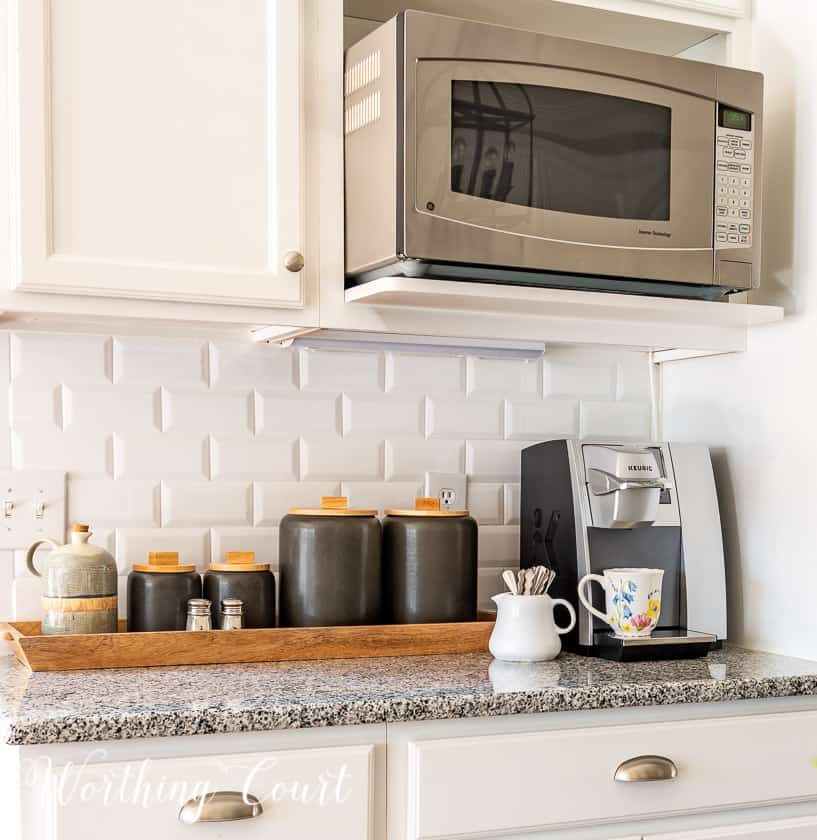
(660, 644)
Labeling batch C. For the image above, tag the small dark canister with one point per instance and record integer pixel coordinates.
(239, 576)
(158, 592)
(329, 566)
(429, 565)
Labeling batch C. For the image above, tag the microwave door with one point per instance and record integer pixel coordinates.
(530, 167)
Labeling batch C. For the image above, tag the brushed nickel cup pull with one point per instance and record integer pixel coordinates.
(646, 768)
(220, 806)
(293, 260)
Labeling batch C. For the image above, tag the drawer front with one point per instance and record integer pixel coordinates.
(304, 794)
(478, 786)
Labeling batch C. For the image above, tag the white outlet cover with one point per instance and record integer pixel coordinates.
(457, 483)
(20, 494)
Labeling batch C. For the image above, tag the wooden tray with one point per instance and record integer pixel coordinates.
(211, 647)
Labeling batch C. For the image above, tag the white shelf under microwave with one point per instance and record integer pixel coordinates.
(653, 323)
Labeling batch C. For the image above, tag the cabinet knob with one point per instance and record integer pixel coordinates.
(220, 806)
(646, 768)
(293, 260)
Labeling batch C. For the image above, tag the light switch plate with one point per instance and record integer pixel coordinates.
(450, 488)
(32, 507)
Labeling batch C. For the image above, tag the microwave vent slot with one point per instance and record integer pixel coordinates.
(363, 113)
(362, 73)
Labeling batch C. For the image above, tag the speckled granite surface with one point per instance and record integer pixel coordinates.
(102, 705)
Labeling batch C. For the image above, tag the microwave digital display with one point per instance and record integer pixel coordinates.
(732, 118)
(555, 148)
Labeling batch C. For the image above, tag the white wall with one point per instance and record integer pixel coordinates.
(201, 446)
(758, 409)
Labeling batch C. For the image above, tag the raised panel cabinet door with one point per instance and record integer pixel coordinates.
(158, 149)
(800, 828)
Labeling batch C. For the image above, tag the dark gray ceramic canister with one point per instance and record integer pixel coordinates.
(158, 592)
(239, 576)
(429, 566)
(329, 566)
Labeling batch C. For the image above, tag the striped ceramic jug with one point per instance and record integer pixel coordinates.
(80, 586)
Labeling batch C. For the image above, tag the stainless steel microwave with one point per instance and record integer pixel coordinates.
(480, 152)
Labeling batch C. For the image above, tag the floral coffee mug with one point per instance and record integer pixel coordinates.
(632, 599)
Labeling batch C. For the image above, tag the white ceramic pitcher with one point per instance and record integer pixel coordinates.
(525, 630)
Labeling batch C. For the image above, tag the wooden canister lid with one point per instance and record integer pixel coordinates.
(164, 562)
(332, 506)
(78, 528)
(426, 507)
(239, 561)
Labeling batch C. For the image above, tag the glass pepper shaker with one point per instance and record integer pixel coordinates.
(232, 614)
(198, 614)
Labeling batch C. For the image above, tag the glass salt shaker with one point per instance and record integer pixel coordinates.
(232, 614)
(198, 614)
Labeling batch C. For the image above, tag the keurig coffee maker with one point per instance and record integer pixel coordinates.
(587, 507)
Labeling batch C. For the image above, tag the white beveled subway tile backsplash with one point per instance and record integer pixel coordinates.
(202, 446)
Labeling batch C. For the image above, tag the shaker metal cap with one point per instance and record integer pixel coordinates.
(198, 606)
(232, 606)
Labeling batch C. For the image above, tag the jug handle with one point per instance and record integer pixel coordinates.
(30, 554)
(583, 598)
(562, 630)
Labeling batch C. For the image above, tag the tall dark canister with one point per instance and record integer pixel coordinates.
(429, 564)
(158, 592)
(329, 566)
(239, 576)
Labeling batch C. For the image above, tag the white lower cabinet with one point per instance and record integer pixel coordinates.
(795, 829)
(302, 795)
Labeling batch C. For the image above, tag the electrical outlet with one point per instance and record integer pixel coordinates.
(450, 488)
(32, 507)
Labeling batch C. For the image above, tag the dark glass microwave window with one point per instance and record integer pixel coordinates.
(558, 149)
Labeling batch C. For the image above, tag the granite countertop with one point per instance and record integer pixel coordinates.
(57, 707)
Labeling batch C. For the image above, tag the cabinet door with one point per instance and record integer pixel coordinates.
(159, 149)
(804, 828)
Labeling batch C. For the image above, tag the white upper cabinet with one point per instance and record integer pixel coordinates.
(159, 150)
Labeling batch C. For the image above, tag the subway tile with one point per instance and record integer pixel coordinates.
(51, 358)
(409, 460)
(6, 585)
(467, 418)
(580, 372)
(272, 499)
(542, 419)
(504, 376)
(347, 371)
(263, 541)
(110, 408)
(191, 504)
(616, 420)
(161, 455)
(5, 397)
(421, 374)
(114, 503)
(499, 546)
(122, 597)
(379, 495)
(262, 458)
(634, 377)
(384, 416)
(300, 414)
(38, 407)
(243, 364)
(327, 458)
(160, 361)
(75, 451)
(486, 503)
(513, 496)
(216, 412)
(494, 460)
(489, 583)
(26, 593)
(134, 544)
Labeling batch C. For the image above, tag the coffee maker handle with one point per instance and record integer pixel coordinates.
(583, 598)
(569, 607)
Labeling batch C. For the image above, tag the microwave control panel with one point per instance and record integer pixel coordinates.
(734, 178)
